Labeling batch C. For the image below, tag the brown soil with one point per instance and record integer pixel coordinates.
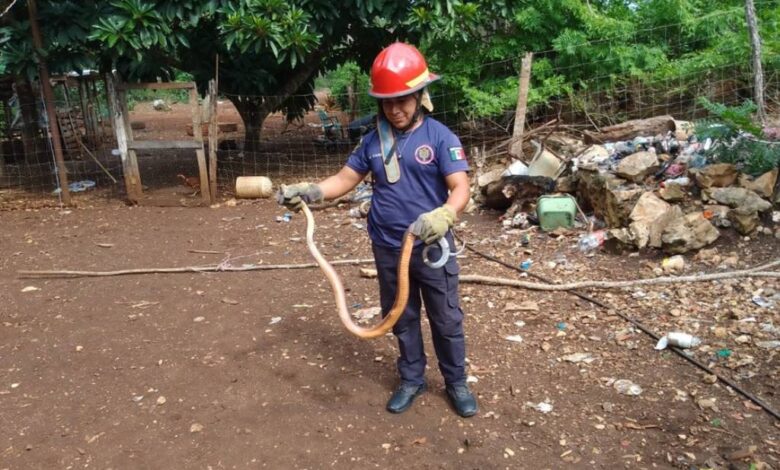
(253, 370)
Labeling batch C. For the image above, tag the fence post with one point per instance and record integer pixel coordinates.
(129, 163)
(758, 71)
(516, 149)
(213, 139)
(51, 110)
(200, 154)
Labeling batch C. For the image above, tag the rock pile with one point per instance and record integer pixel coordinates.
(658, 192)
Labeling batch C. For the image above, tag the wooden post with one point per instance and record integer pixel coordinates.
(120, 123)
(86, 111)
(516, 149)
(197, 132)
(213, 139)
(48, 98)
(758, 70)
(109, 104)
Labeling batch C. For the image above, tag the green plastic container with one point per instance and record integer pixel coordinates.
(556, 211)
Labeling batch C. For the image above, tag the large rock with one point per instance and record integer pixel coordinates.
(743, 200)
(764, 185)
(637, 166)
(672, 192)
(648, 219)
(689, 232)
(719, 175)
(609, 196)
(744, 223)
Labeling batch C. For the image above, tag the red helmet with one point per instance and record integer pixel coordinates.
(399, 70)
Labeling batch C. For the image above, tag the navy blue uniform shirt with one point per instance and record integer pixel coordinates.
(427, 154)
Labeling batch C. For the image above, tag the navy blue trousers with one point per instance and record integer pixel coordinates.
(437, 289)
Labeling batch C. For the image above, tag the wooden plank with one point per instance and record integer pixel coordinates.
(205, 192)
(164, 144)
(516, 149)
(132, 180)
(157, 86)
(213, 138)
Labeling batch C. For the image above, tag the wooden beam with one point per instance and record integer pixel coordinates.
(164, 144)
(157, 86)
(197, 131)
(132, 179)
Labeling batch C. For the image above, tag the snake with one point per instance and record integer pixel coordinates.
(402, 290)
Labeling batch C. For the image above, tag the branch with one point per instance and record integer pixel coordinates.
(297, 79)
(186, 269)
(757, 271)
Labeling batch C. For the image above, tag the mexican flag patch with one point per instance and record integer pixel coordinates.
(457, 153)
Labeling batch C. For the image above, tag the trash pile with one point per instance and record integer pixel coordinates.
(659, 191)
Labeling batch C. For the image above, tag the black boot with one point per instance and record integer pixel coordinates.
(462, 399)
(404, 396)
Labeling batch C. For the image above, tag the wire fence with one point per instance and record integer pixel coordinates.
(318, 143)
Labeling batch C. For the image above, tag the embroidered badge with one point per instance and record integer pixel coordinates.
(457, 153)
(424, 154)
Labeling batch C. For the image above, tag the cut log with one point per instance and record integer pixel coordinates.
(518, 189)
(630, 129)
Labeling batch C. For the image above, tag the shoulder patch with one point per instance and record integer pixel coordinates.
(457, 153)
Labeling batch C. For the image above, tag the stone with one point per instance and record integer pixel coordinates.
(719, 175)
(683, 129)
(637, 166)
(609, 196)
(743, 200)
(619, 204)
(672, 193)
(673, 264)
(763, 185)
(709, 256)
(688, 232)
(566, 184)
(646, 218)
(744, 223)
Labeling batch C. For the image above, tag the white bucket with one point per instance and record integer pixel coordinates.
(253, 187)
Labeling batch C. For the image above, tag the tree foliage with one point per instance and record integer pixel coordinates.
(270, 51)
(581, 46)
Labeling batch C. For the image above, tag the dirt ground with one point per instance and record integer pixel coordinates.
(254, 370)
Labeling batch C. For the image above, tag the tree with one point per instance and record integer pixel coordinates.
(581, 44)
(269, 51)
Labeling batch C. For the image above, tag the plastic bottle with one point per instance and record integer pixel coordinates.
(592, 240)
(680, 181)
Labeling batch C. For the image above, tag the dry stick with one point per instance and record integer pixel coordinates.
(500, 281)
(186, 269)
(766, 407)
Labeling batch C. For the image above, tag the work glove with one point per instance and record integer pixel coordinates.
(294, 195)
(431, 226)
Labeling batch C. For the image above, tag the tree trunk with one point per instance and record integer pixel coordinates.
(253, 113)
(758, 71)
(630, 129)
